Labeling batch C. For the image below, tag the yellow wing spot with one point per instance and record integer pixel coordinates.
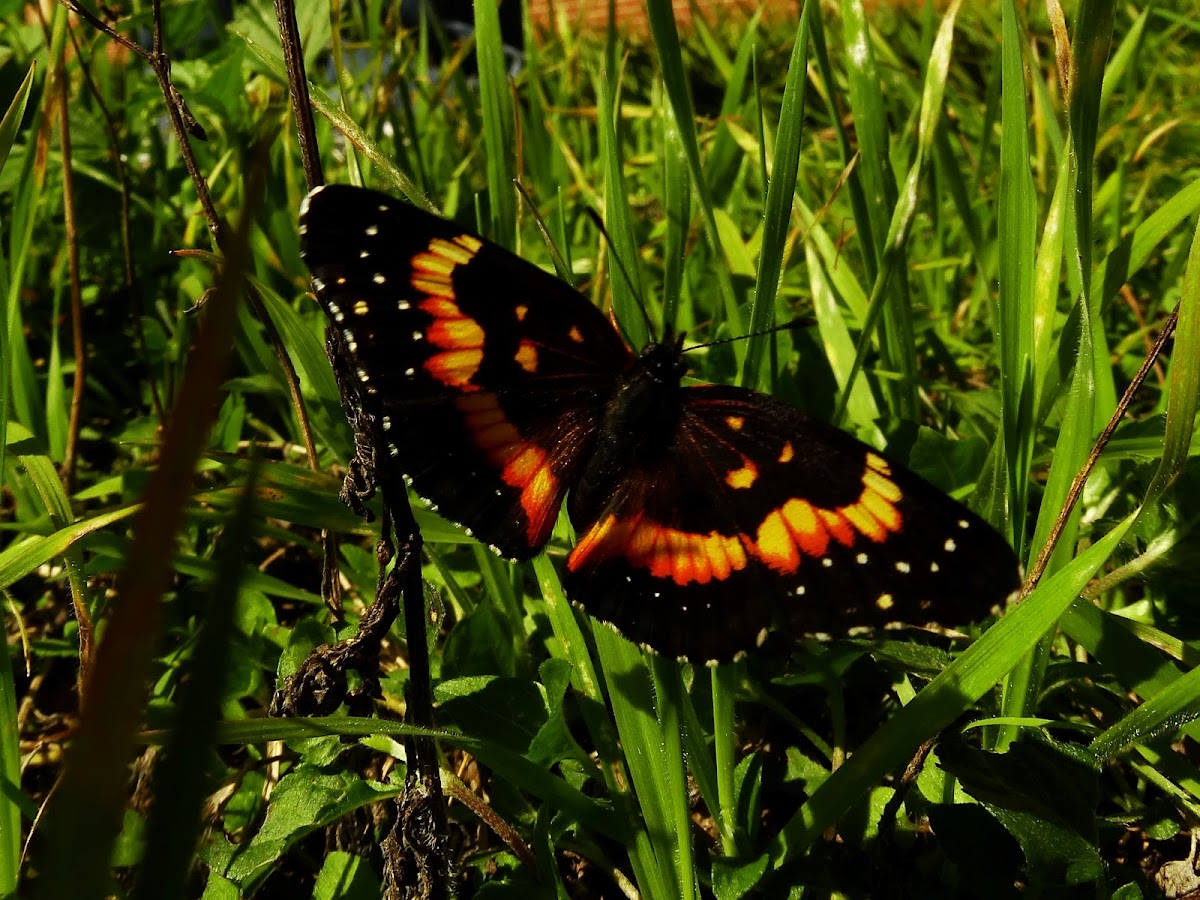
(884, 487)
(360, 308)
(433, 263)
(575, 334)
(527, 357)
(885, 602)
(438, 287)
(879, 464)
(601, 536)
(743, 477)
(774, 545)
(702, 568)
(735, 422)
(683, 561)
(441, 308)
(787, 453)
(864, 522)
(469, 242)
(881, 508)
(682, 556)
(462, 333)
(538, 501)
(455, 252)
(806, 528)
(522, 311)
(642, 539)
(456, 368)
(719, 559)
(522, 467)
(838, 526)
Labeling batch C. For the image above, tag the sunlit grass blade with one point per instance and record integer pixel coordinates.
(1017, 223)
(670, 57)
(777, 215)
(628, 681)
(498, 124)
(677, 203)
(625, 277)
(895, 337)
(897, 315)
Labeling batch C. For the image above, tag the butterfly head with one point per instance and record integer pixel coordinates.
(663, 360)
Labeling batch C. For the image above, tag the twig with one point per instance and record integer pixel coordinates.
(78, 350)
(1081, 477)
(293, 60)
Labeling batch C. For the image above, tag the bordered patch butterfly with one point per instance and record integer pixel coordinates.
(703, 513)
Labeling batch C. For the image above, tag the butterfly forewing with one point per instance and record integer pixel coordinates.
(756, 513)
(487, 376)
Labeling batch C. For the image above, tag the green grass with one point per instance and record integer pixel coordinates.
(988, 238)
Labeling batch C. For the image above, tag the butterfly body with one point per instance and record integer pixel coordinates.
(703, 513)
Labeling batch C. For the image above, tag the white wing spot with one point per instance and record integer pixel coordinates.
(950, 546)
(362, 375)
(800, 591)
(333, 308)
(403, 305)
(862, 559)
(363, 255)
(387, 422)
(964, 524)
(318, 285)
(379, 279)
(417, 336)
(934, 567)
(826, 562)
(903, 568)
(372, 230)
(393, 450)
(382, 207)
(410, 372)
(657, 594)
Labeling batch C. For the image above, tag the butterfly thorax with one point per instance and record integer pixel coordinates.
(639, 423)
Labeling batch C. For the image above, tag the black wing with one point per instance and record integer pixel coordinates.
(756, 513)
(487, 375)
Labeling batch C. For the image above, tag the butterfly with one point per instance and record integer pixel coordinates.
(703, 513)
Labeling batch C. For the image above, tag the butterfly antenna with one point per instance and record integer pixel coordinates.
(560, 264)
(637, 295)
(793, 325)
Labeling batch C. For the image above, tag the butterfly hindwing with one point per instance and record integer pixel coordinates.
(488, 376)
(755, 512)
